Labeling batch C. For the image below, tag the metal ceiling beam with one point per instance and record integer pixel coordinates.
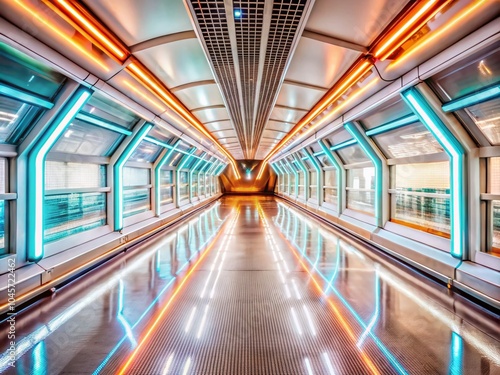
(334, 41)
(290, 108)
(164, 39)
(193, 84)
(304, 85)
(216, 106)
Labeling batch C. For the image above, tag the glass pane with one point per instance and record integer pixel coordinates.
(16, 119)
(166, 195)
(161, 134)
(175, 159)
(62, 175)
(428, 214)
(2, 227)
(67, 214)
(331, 178)
(494, 175)
(21, 71)
(166, 177)
(339, 136)
(412, 140)
(314, 178)
(424, 177)
(83, 138)
(106, 109)
(363, 201)
(301, 178)
(389, 112)
(330, 196)
(183, 177)
(301, 191)
(136, 201)
(487, 118)
(496, 227)
(361, 178)
(352, 154)
(194, 188)
(146, 152)
(325, 162)
(136, 176)
(314, 193)
(183, 192)
(463, 79)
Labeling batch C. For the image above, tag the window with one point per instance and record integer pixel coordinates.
(421, 198)
(361, 190)
(166, 187)
(21, 75)
(313, 185)
(183, 186)
(146, 152)
(136, 190)
(493, 206)
(330, 187)
(75, 198)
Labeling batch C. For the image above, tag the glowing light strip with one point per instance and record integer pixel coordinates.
(164, 309)
(36, 172)
(23, 96)
(406, 120)
(144, 96)
(118, 174)
(88, 26)
(484, 95)
(400, 30)
(457, 154)
(436, 34)
(67, 38)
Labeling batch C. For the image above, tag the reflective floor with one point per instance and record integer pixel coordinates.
(253, 286)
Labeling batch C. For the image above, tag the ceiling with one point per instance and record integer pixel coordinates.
(248, 79)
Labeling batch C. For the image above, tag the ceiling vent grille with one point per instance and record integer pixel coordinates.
(249, 54)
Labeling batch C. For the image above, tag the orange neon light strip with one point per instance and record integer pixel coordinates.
(89, 26)
(162, 312)
(393, 37)
(436, 34)
(56, 30)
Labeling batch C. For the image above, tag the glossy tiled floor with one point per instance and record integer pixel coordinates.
(252, 286)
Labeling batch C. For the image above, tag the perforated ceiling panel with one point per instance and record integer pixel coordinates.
(249, 44)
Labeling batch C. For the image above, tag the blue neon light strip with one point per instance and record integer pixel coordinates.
(36, 171)
(377, 163)
(118, 174)
(25, 97)
(407, 120)
(456, 354)
(343, 145)
(103, 124)
(338, 168)
(457, 155)
(484, 95)
(157, 171)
